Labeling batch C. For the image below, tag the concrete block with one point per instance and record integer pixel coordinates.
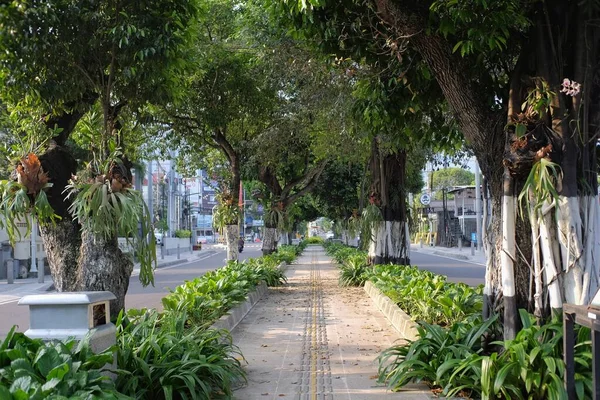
(397, 317)
(234, 316)
(60, 316)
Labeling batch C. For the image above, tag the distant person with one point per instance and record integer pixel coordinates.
(240, 244)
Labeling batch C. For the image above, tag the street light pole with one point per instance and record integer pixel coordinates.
(212, 219)
(150, 191)
(478, 205)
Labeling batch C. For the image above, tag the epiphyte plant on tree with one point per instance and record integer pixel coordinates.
(24, 195)
(105, 204)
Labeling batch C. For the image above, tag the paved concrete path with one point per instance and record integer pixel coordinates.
(314, 340)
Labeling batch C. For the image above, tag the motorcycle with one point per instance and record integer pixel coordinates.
(240, 246)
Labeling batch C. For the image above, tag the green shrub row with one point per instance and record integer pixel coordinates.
(161, 356)
(456, 352)
(168, 355)
(206, 298)
(183, 233)
(314, 240)
(459, 361)
(353, 263)
(426, 296)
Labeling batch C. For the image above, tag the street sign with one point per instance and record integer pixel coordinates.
(425, 199)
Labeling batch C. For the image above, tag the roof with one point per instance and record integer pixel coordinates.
(460, 189)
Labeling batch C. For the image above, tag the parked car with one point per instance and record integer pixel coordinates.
(329, 235)
(201, 239)
(158, 237)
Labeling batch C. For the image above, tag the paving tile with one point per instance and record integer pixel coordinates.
(313, 340)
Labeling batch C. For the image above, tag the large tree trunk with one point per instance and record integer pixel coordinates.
(77, 260)
(284, 238)
(62, 242)
(562, 43)
(481, 126)
(389, 242)
(103, 266)
(269, 243)
(232, 235)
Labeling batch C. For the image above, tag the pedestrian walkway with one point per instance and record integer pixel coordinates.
(312, 339)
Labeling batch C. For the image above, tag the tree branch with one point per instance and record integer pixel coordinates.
(312, 178)
(266, 176)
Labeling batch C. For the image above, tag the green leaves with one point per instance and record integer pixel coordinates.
(354, 267)
(162, 357)
(75, 42)
(437, 356)
(480, 26)
(207, 298)
(172, 355)
(16, 208)
(452, 358)
(426, 296)
(33, 370)
(539, 189)
(109, 214)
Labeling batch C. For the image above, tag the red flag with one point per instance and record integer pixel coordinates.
(241, 199)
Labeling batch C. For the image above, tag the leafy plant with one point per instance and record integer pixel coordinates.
(25, 197)
(106, 206)
(541, 185)
(453, 360)
(369, 221)
(226, 212)
(434, 355)
(354, 271)
(342, 253)
(426, 296)
(275, 218)
(531, 365)
(314, 240)
(183, 233)
(161, 357)
(208, 297)
(267, 269)
(32, 369)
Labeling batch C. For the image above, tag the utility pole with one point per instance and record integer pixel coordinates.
(170, 195)
(34, 227)
(478, 204)
(150, 191)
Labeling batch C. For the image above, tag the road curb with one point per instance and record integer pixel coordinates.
(170, 263)
(451, 255)
(442, 253)
(397, 317)
(234, 316)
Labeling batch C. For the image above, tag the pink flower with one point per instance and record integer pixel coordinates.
(570, 88)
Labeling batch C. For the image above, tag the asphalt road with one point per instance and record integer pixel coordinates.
(138, 296)
(172, 276)
(456, 270)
